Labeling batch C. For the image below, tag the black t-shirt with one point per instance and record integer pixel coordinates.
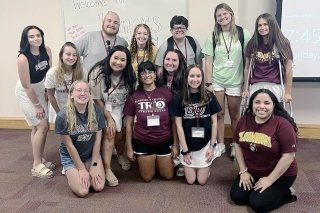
(193, 114)
(38, 66)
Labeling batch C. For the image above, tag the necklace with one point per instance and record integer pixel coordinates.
(36, 57)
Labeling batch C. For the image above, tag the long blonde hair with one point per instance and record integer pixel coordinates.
(149, 45)
(77, 68)
(71, 118)
(217, 28)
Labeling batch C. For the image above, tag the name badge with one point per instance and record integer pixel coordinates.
(153, 120)
(228, 64)
(197, 132)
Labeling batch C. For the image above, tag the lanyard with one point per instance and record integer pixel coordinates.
(108, 46)
(115, 87)
(150, 99)
(225, 44)
(196, 113)
(185, 48)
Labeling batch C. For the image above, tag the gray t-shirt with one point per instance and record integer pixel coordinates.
(186, 50)
(92, 48)
(82, 138)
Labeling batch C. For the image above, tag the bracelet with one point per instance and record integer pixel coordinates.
(185, 153)
(244, 171)
(37, 104)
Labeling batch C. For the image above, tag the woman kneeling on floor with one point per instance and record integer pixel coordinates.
(266, 142)
(195, 112)
(149, 139)
(80, 125)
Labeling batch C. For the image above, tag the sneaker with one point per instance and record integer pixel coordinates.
(180, 171)
(291, 197)
(219, 149)
(233, 151)
(63, 172)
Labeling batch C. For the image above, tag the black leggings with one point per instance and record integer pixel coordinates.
(271, 198)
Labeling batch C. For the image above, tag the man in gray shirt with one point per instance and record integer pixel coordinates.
(94, 46)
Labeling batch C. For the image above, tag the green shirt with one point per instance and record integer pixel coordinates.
(226, 76)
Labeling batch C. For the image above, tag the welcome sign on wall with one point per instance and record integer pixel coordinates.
(81, 16)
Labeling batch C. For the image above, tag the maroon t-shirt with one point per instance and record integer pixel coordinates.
(263, 144)
(266, 68)
(141, 106)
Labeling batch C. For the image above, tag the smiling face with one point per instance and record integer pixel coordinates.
(81, 93)
(34, 38)
(263, 27)
(171, 62)
(194, 79)
(69, 56)
(178, 31)
(111, 24)
(223, 17)
(262, 107)
(141, 36)
(148, 77)
(118, 62)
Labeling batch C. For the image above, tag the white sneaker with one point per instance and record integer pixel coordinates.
(219, 149)
(63, 172)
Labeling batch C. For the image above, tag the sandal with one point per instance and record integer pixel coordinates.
(41, 171)
(124, 162)
(111, 179)
(49, 165)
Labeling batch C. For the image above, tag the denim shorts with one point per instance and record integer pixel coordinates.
(67, 161)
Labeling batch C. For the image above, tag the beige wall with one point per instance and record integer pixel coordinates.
(47, 14)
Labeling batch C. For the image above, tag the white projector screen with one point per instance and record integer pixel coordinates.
(300, 23)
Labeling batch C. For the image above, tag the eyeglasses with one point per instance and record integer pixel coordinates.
(86, 91)
(179, 28)
(149, 72)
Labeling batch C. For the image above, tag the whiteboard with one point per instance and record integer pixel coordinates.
(81, 16)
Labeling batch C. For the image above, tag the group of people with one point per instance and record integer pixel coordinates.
(159, 105)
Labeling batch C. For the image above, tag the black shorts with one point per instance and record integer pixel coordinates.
(141, 148)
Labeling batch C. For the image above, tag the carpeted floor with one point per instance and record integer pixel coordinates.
(21, 193)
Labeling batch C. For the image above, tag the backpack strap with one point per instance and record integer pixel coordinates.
(170, 43)
(192, 43)
(213, 43)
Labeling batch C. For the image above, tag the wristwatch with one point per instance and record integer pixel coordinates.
(184, 153)
(94, 164)
(208, 84)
